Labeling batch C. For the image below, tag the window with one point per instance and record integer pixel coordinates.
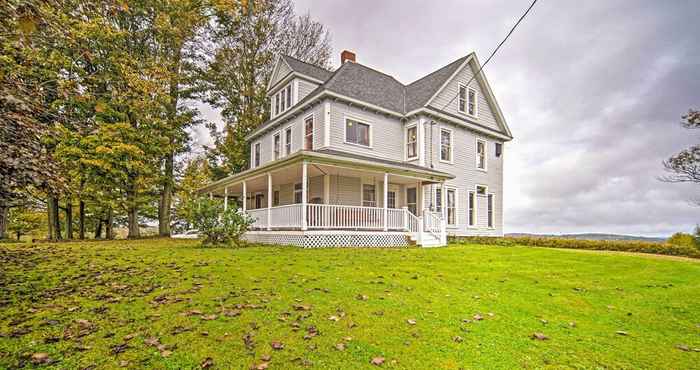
(451, 207)
(297, 193)
(356, 132)
(259, 200)
(277, 104)
(499, 149)
(472, 107)
(462, 101)
(256, 155)
(412, 142)
(289, 96)
(472, 208)
(369, 195)
(445, 145)
(276, 146)
(438, 200)
(411, 200)
(490, 210)
(481, 190)
(309, 133)
(276, 198)
(391, 199)
(481, 154)
(283, 97)
(288, 141)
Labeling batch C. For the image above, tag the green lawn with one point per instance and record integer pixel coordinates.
(171, 304)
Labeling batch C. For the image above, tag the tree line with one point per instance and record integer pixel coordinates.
(99, 101)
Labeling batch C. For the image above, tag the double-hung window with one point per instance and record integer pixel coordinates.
(289, 96)
(472, 105)
(276, 198)
(283, 99)
(451, 207)
(445, 145)
(276, 146)
(499, 149)
(412, 142)
(277, 104)
(462, 99)
(471, 210)
(288, 141)
(256, 155)
(309, 133)
(357, 132)
(490, 210)
(369, 195)
(438, 200)
(297, 193)
(391, 199)
(481, 154)
(467, 100)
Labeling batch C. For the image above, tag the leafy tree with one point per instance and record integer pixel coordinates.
(685, 166)
(23, 221)
(195, 175)
(219, 226)
(246, 44)
(684, 240)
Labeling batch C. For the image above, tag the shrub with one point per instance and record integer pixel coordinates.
(219, 226)
(607, 245)
(683, 239)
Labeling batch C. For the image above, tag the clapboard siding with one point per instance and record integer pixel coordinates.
(445, 99)
(282, 71)
(386, 132)
(305, 88)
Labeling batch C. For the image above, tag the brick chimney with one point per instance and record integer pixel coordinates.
(347, 55)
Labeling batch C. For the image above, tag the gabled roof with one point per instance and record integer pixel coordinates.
(419, 92)
(307, 69)
(366, 84)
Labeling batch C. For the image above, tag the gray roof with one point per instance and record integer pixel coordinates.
(408, 166)
(420, 91)
(307, 69)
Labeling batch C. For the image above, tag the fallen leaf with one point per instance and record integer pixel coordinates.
(301, 307)
(411, 322)
(130, 336)
(276, 345)
(539, 336)
(683, 347)
(478, 317)
(458, 339)
(207, 363)
(621, 332)
(362, 297)
(209, 317)
(261, 366)
(333, 318)
(340, 346)
(166, 353)
(266, 358)
(40, 358)
(377, 361)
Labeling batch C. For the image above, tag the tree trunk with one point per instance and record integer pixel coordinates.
(69, 218)
(54, 221)
(132, 208)
(166, 197)
(19, 235)
(81, 220)
(3, 221)
(110, 223)
(49, 214)
(98, 228)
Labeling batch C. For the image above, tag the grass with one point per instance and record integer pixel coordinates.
(80, 303)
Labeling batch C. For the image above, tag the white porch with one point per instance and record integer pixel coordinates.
(320, 201)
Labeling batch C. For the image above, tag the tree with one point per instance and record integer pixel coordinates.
(23, 221)
(246, 44)
(195, 175)
(685, 166)
(219, 226)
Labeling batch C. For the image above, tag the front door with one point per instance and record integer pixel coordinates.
(258, 201)
(411, 200)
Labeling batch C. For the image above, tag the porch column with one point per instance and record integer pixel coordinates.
(211, 196)
(269, 199)
(225, 198)
(386, 201)
(245, 197)
(304, 190)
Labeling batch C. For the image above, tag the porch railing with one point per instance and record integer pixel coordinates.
(432, 223)
(345, 217)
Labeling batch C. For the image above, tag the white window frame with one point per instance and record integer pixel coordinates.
(282, 100)
(491, 217)
(459, 98)
(408, 128)
(278, 155)
(255, 156)
(288, 145)
(295, 191)
(361, 121)
(476, 102)
(288, 88)
(477, 186)
(452, 140)
(437, 199)
(388, 203)
(362, 193)
(486, 154)
(456, 207)
(471, 212)
(495, 149)
(276, 105)
(303, 131)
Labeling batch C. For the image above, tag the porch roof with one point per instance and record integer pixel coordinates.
(338, 158)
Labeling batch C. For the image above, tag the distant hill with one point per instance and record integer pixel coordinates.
(591, 236)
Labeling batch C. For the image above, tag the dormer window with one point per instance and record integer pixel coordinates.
(283, 100)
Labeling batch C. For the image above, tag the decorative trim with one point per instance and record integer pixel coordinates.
(347, 117)
(325, 239)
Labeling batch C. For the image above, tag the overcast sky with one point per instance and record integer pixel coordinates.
(593, 92)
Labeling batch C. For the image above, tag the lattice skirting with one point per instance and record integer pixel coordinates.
(319, 240)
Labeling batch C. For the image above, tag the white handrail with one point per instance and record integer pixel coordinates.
(413, 222)
(433, 223)
(344, 217)
(259, 217)
(288, 216)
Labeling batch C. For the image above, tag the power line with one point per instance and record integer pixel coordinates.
(494, 51)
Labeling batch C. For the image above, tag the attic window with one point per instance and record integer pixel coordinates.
(283, 99)
(467, 100)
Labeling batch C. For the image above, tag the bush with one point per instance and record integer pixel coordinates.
(606, 245)
(683, 240)
(219, 226)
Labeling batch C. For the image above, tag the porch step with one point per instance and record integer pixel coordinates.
(428, 240)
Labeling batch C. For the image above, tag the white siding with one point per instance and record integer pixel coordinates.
(282, 71)
(305, 88)
(485, 117)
